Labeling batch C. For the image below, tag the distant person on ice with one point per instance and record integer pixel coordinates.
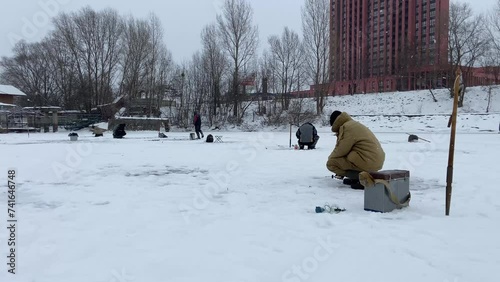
(357, 148)
(197, 125)
(119, 131)
(307, 135)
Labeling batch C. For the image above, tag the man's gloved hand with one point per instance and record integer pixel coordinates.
(339, 177)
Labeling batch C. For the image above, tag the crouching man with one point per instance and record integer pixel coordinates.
(357, 148)
(307, 135)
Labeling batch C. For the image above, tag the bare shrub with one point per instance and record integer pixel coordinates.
(300, 111)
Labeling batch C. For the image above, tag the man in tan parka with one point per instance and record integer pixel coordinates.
(357, 147)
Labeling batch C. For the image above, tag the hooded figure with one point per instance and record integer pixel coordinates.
(357, 147)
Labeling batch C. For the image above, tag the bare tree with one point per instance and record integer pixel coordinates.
(180, 82)
(146, 63)
(28, 71)
(315, 25)
(136, 38)
(158, 64)
(287, 58)
(198, 84)
(491, 65)
(468, 40)
(154, 56)
(266, 72)
(61, 65)
(301, 110)
(267, 86)
(491, 61)
(90, 57)
(93, 39)
(215, 65)
(239, 38)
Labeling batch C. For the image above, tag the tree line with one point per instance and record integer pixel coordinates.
(473, 41)
(92, 57)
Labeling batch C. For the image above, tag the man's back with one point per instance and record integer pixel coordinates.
(357, 143)
(306, 133)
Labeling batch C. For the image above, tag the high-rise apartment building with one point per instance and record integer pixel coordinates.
(388, 45)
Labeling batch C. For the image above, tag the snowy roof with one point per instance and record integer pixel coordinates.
(139, 118)
(72, 112)
(6, 105)
(10, 90)
(42, 108)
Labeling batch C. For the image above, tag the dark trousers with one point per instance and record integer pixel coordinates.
(310, 145)
(197, 128)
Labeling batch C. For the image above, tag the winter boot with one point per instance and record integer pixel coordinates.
(349, 181)
(357, 186)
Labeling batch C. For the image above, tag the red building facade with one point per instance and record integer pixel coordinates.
(388, 45)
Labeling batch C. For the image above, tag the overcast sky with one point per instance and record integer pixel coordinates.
(183, 20)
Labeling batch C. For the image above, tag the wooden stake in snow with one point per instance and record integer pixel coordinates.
(290, 135)
(457, 89)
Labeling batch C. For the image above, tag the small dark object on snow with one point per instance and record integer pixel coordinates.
(73, 136)
(119, 131)
(210, 138)
(329, 209)
(162, 135)
(413, 138)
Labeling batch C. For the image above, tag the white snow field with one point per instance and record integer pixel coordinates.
(143, 209)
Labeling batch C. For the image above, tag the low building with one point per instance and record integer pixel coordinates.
(8, 94)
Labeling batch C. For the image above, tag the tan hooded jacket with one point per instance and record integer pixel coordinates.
(357, 143)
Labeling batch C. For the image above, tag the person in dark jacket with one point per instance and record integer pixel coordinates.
(119, 131)
(197, 125)
(307, 135)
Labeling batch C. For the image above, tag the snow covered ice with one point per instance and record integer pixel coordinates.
(150, 209)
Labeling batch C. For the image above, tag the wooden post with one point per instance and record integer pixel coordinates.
(55, 121)
(458, 87)
(290, 135)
